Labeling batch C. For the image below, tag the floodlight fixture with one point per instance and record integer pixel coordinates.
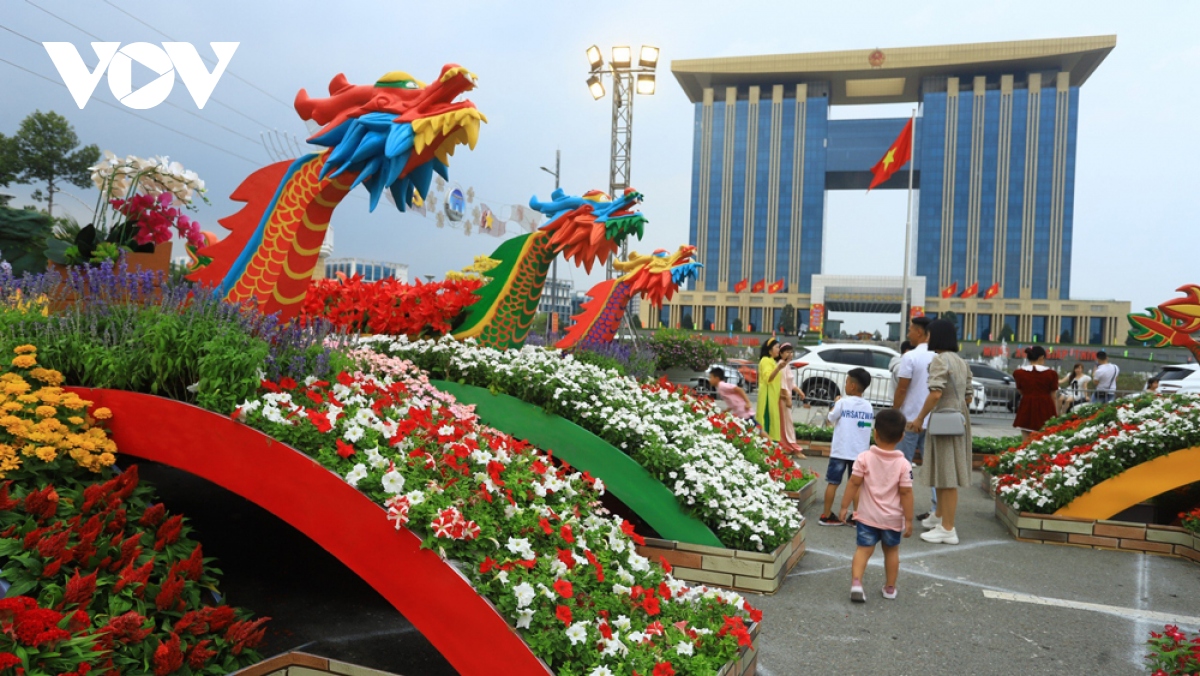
(622, 57)
(596, 87)
(648, 58)
(645, 83)
(594, 58)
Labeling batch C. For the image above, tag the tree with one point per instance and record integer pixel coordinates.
(737, 325)
(687, 323)
(45, 150)
(1006, 334)
(8, 161)
(789, 320)
(950, 316)
(1066, 337)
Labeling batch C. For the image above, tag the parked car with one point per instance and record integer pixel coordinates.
(979, 398)
(1181, 378)
(1000, 387)
(821, 371)
(748, 371)
(732, 375)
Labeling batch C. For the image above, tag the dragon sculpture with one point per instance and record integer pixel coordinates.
(587, 230)
(391, 135)
(654, 277)
(1172, 323)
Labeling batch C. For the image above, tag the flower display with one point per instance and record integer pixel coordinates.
(40, 424)
(1173, 653)
(156, 218)
(1075, 453)
(729, 486)
(525, 529)
(1191, 520)
(116, 177)
(389, 306)
(42, 640)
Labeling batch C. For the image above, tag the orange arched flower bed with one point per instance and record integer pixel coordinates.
(438, 600)
(1136, 484)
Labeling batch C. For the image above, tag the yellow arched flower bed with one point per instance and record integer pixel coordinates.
(1135, 485)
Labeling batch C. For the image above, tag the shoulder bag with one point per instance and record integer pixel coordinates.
(947, 423)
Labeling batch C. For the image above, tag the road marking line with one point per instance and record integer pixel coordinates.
(1130, 613)
(1140, 627)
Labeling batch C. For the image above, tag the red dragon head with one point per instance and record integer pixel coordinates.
(395, 133)
(657, 276)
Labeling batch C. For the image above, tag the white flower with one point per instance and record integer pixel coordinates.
(393, 482)
(600, 671)
(577, 633)
(375, 459)
(524, 594)
(356, 475)
(622, 623)
(524, 616)
(521, 547)
(685, 648)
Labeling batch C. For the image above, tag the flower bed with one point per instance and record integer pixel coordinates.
(720, 469)
(389, 306)
(100, 575)
(1078, 452)
(1173, 653)
(1191, 521)
(524, 529)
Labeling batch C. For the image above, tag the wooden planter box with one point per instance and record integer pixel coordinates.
(818, 449)
(805, 496)
(303, 664)
(758, 572)
(1101, 534)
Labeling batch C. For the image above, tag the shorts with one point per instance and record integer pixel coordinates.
(837, 468)
(869, 536)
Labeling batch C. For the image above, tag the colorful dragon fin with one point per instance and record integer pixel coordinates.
(258, 192)
(601, 315)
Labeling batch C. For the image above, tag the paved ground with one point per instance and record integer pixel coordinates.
(945, 620)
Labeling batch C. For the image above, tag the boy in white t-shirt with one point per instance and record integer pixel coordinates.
(852, 417)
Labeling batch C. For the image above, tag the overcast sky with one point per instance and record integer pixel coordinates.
(1135, 202)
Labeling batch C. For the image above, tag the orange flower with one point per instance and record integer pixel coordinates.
(25, 349)
(102, 413)
(24, 361)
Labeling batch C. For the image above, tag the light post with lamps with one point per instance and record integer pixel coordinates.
(627, 78)
(554, 265)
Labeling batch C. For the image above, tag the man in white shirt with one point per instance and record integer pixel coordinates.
(1105, 377)
(912, 388)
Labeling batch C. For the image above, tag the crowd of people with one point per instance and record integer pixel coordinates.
(928, 424)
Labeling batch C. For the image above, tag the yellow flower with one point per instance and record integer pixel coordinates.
(107, 459)
(102, 413)
(47, 453)
(11, 406)
(24, 361)
(50, 395)
(74, 403)
(75, 420)
(28, 398)
(46, 411)
(24, 349)
(48, 376)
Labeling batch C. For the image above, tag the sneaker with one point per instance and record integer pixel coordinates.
(931, 521)
(830, 519)
(850, 520)
(889, 592)
(940, 535)
(857, 594)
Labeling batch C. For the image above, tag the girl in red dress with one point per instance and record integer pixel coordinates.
(1038, 385)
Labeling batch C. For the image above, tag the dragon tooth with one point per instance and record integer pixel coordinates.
(472, 131)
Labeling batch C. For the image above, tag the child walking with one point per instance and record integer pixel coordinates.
(733, 396)
(852, 417)
(882, 484)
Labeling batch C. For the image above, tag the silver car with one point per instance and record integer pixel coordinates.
(999, 387)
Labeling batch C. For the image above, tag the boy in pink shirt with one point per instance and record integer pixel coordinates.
(885, 508)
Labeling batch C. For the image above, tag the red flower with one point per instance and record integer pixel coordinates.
(219, 617)
(168, 657)
(755, 614)
(564, 589)
(8, 660)
(193, 566)
(666, 566)
(36, 627)
(651, 606)
(169, 593)
(246, 634)
(319, 420)
(546, 527)
(154, 515)
(169, 532)
(663, 669)
(566, 533)
(128, 627)
(627, 528)
(538, 467)
(42, 504)
(605, 630)
(344, 450)
(567, 558)
(563, 613)
(79, 590)
(199, 655)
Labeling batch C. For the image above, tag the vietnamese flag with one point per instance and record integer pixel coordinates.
(949, 291)
(971, 291)
(741, 286)
(776, 287)
(992, 292)
(759, 286)
(895, 157)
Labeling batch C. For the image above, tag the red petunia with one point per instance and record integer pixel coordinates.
(563, 613)
(344, 450)
(664, 669)
(627, 528)
(566, 533)
(564, 589)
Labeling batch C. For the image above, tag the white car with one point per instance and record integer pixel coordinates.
(1183, 378)
(821, 373)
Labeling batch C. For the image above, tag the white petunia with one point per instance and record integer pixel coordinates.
(577, 633)
(393, 482)
(685, 648)
(356, 475)
(524, 594)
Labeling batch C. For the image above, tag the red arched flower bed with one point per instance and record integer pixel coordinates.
(438, 601)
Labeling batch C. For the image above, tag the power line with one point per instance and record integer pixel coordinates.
(129, 112)
(231, 74)
(173, 105)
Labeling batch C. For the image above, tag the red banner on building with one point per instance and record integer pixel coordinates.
(949, 291)
(992, 292)
(759, 286)
(816, 318)
(776, 287)
(741, 286)
(971, 291)
(916, 311)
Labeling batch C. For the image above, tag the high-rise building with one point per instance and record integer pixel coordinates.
(371, 271)
(994, 165)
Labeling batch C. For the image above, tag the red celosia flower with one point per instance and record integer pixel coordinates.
(193, 566)
(134, 576)
(199, 655)
(154, 515)
(128, 627)
(563, 613)
(37, 627)
(79, 590)
(168, 657)
(564, 589)
(169, 593)
(51, 569)
(6, 503)
(8, 660)
(53, 546)
(42, 504)
(169, 532)
(219, 617)
(246, 634)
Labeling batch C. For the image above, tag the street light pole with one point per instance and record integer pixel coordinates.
(554, 263)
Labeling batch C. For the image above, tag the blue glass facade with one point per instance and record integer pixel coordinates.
(994, 164)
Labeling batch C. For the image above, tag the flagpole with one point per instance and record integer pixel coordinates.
(904, 300)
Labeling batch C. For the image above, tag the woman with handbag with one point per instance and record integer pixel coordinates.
(948, 438)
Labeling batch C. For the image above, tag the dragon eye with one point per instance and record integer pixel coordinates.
(409, 84)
